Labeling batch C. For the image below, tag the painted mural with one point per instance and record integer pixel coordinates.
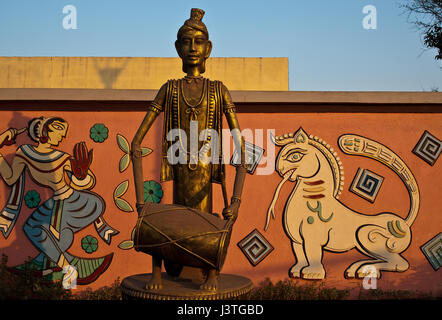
(123, 164)
(73, 206)
(68, 199)
(314, 218)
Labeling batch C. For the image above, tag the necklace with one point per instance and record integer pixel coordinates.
(193, 110)
(193, 163)
(189, 79)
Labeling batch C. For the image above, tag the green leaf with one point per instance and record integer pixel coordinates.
(124, 162)
(126, 245)
(121, 189)
(145, 151)
(123, 143)
(123, 205)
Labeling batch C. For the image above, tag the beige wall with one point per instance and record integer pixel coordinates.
(266, 74)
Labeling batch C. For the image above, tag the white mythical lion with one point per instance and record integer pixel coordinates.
(314, 218)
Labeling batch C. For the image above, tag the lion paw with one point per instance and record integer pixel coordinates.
(350, 273)
(368, 271)
(313, 272)
(295, 271)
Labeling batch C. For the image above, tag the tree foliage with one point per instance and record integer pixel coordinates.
(427, 16)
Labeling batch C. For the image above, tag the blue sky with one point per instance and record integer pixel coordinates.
(327, 47)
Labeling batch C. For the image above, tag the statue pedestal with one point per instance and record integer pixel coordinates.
(229, 287)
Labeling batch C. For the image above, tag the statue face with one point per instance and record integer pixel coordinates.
(193, 48)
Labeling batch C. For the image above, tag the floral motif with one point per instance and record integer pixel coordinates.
(152, 191)
(119, 191)
(99, 132)
(89, 244)
(123, 144)
(32, 199)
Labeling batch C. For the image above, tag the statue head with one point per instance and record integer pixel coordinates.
(193, 44)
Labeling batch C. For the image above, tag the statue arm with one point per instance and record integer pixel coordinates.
(241, 170)
(155, 108)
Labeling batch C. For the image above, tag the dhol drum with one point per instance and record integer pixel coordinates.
(183, 235)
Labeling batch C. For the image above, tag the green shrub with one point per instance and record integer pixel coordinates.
(291, 290)
(28, 286)
(112, 292)
(379, 294)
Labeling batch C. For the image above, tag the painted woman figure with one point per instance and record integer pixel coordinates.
(51, 227)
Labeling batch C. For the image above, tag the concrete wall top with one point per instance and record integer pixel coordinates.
(246, 101)
(137, 72)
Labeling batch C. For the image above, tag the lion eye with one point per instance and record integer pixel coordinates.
(294, 156)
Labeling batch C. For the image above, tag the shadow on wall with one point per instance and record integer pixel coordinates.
(109, 75)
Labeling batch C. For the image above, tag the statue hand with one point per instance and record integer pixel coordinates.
(231, 212)
(139, 207)
(81, 160)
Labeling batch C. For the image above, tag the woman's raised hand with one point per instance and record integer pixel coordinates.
(81, 160)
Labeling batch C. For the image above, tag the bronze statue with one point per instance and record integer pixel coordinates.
(185, 102)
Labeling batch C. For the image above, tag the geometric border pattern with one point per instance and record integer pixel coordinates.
(428, 148)
(366, 184)
(433, 251)
(255, 247)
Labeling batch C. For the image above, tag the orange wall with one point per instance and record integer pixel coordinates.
(400, 132)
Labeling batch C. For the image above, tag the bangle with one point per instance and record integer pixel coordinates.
(136, 154)
(238, 199)
(243, 166)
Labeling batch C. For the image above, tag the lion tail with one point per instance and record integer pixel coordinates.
(360, 146)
